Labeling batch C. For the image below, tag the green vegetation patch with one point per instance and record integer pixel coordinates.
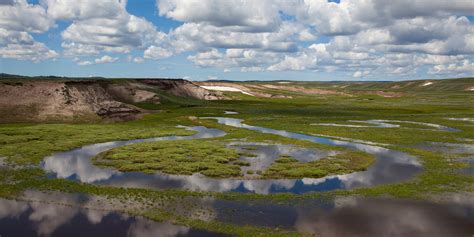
(212, 158)
(184, 157)
(25, 144)
(342, 163)
(28, 143)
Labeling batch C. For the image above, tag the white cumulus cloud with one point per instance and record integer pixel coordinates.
(17, 20)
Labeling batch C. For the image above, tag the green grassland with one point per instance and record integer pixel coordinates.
(174, 157)
(287, 167)
(28, 144)
(24, 145)
(212, 158)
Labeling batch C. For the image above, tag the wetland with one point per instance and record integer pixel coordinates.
(298, 165)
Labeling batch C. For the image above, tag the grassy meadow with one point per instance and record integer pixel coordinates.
(24, 145)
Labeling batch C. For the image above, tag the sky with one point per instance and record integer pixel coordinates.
(239, 39)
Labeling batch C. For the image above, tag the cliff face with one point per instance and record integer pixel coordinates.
(84, 97)
(183, 88)
(25, 100)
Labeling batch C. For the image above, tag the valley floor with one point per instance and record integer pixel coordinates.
(352, 162)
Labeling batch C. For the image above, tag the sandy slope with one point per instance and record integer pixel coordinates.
(44, 99)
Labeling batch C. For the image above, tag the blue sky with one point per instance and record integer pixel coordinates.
(238, 39)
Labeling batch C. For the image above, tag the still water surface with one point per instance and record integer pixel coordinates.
(390, 166)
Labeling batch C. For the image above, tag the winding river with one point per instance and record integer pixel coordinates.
(384, 123)
(390, 166)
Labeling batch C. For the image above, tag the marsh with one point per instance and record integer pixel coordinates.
(175, 118)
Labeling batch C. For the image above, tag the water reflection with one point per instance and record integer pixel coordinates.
(384, 123)
(263, 155)
(230, 112)
(76, 164)
(452, 215)
(448, 148)
(469, 170)
(468, 120)
(385, 217)
(463, 152)
(390, 166)
(351, 216)
(19, 218)
(199, 182)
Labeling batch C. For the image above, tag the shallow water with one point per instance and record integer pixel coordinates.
(470, 165)
(448, 148)
(346, 216)
(390, 166)
(370, 124)
(385, 217)
(464, 151)
(76, 164)
(381, 123)
(352, 216)
(230, 112)
(452, 215)
(469, 120)
(263, 155)
(25, 219)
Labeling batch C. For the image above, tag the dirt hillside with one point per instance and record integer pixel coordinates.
(29, 100)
